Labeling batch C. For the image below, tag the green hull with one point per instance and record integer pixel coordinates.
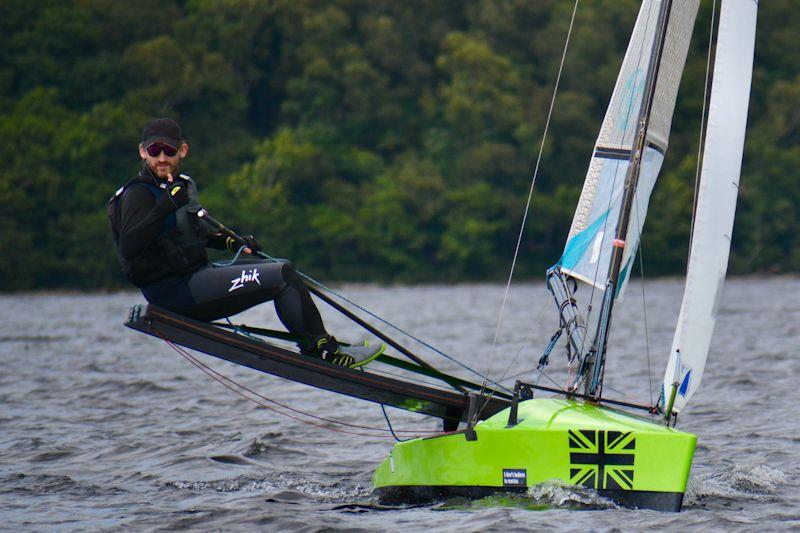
(633, 461)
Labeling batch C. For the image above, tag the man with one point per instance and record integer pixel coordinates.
(161, 246)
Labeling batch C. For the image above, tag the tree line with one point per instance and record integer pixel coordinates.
(364, 139)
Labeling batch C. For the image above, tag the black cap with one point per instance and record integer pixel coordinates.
(163, 130)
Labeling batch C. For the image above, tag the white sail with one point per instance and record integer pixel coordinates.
(587, 253)
(716, 202)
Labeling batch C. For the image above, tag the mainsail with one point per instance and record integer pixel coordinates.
(716, 202)
(587, 254)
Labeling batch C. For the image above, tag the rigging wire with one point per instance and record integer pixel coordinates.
(628, 113)
(701, 141)
(694, 204)
(644, 315)
(342, 309)
(236, 388)
(616, 176)
(644, 299)
(641, 251)
(524, 343)
(700, 152)
(547, 376)
(645, 112)
(389, 324)
(541, 373)
(561, 387)
(530, 198)
(519, 374)
(625, 395)
(430, 382)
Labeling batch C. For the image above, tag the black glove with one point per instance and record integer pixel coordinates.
(176, 195)
(251, 243)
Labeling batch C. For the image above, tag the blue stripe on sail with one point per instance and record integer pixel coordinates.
(685, 383)
(577, 245)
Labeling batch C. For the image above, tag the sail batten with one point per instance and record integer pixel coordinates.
(716, 202)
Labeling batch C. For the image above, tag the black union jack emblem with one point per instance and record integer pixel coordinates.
(602, 459)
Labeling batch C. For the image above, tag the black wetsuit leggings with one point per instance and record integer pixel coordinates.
(215, 292)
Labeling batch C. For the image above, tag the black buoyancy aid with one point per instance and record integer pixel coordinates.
(179, 247)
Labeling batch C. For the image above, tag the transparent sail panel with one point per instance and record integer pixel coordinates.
(587, 253)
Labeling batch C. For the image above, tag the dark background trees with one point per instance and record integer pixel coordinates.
(368, 140)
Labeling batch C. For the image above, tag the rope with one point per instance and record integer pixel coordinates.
(644, 315)
(529, 200)
(554, 382)
(694, 205)
(518, 374)
(202, 213)
(232, 261)
(701, 141)
(386, 322)
(524, 343)
(430, 382)
(559, 386)
(389, 423)
(241, 331)
(236, 388)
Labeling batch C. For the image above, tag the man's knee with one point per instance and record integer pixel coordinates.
(289, 274)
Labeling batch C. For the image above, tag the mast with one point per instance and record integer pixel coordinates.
(594, 363)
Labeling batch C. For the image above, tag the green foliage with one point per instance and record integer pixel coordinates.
(365, 140)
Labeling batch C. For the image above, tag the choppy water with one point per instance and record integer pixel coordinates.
(103, 427)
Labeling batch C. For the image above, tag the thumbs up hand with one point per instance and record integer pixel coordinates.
(176, 193)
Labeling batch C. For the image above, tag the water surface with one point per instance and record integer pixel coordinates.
(103, 427)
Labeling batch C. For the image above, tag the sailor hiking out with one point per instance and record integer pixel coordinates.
(161, 240)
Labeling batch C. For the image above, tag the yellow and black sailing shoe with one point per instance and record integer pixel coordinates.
(359, 355)
(350, 356)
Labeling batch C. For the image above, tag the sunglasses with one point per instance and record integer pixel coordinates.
(155, 149)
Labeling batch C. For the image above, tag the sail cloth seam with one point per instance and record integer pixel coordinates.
(529, 200)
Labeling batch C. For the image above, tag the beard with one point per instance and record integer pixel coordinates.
(161, 169)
